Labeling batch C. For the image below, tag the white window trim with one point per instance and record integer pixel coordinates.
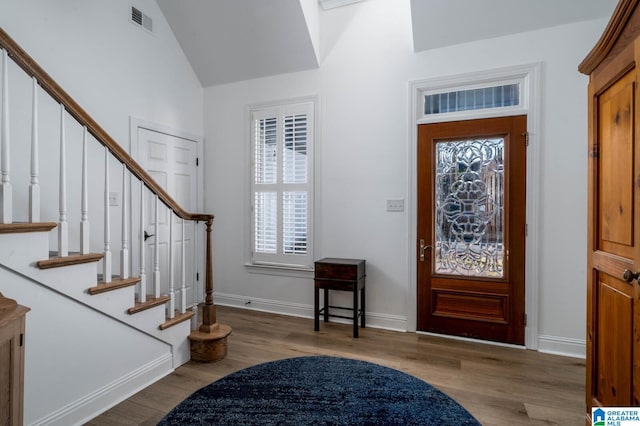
(474, 81)
(529, 75)
(273, 268)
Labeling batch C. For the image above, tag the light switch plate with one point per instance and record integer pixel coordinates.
(395, 205)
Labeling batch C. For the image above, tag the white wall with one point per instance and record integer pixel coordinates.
(362, 156)
(111, 67)
(114, 70)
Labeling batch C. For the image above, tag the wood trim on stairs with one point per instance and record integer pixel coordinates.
(150, 303)
(116, 283)
(177, 319)
(73, 259)
(17, 227)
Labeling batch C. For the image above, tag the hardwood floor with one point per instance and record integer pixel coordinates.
(498, 385)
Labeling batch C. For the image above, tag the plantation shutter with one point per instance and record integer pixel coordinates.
(265, 203)
(282, 141)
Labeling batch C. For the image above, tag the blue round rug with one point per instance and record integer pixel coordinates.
(319, 390)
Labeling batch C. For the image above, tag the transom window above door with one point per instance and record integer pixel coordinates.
(468, 97)
(502, 96)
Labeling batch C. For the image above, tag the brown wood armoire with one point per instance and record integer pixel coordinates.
(613, 252)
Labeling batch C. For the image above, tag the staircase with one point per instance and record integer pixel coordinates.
(93, 337)
(24, 251)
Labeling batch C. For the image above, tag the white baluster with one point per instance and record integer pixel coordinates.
(198, 288)
(34, 187)
(183, 283)
(63, 226)
(124, 252)
(156, 254)
(142, 292)
(171, 306)
(106, 261)
(84, 202)
(6, 197)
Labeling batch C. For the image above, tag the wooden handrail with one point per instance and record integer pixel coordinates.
(24, 61)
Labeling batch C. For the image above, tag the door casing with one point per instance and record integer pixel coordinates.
(530, 73)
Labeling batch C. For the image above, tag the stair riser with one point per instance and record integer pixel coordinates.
(23, 249)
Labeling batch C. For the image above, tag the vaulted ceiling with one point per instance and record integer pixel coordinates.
(235, 40)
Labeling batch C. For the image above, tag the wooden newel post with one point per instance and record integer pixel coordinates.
(209, 309)
(209, 342)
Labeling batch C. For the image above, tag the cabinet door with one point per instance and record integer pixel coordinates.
(614, 208)
(11, 381)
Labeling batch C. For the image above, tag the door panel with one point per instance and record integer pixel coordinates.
(616, 167)
(171, 161)
(614, 348)
(471, 228)
(613, 335)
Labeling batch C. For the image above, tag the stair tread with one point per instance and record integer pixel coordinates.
(56, 261)
(150, 303)
(115, 284)
(177, 319)
(18, 227)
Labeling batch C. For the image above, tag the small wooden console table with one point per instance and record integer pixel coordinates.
(344, 275)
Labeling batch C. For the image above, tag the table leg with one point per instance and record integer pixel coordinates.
(355, 310)
(362, 299)
(326, 305)
(316, 309)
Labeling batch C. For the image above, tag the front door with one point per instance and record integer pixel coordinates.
(471, 228)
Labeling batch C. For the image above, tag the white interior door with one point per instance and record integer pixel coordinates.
(172, 162)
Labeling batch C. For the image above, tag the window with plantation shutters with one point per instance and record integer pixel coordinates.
(281, 185)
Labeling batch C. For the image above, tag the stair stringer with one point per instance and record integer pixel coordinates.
(19, 252)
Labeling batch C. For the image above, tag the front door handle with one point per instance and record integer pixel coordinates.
(423, 247)
(147, 236)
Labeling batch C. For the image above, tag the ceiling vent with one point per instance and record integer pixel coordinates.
(141, 19)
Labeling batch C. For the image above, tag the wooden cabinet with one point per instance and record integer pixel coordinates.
(12, 319)
(613, 252)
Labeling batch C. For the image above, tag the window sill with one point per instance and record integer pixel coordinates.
(281, 270)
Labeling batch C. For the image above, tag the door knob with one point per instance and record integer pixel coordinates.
(629, 276)
(147, 236)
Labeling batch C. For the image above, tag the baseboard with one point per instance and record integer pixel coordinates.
(575, 348)
(373, 319)
(99, 401)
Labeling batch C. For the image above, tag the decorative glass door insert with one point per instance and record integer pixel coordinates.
(469, 208)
